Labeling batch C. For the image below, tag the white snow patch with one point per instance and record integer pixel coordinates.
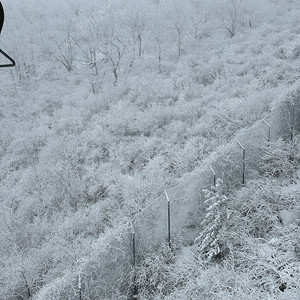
(287, 216)
(184, 255)
(291, 190)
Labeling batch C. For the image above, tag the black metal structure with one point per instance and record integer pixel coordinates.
(12, 64)
(1, 16)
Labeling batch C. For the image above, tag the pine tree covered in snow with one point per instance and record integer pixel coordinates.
(208, 245)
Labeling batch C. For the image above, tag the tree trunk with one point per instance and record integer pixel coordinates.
(116, 76)
(140, 45)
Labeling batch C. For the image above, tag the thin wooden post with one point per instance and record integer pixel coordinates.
(244, 164)
(269, 131)
(214, 174)
(169, 219)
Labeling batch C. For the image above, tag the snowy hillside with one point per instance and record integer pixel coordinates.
(113, 103)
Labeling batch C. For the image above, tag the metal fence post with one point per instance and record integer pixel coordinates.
(79, 286)
(293, 122)
(169, 219)
(214, 174)
(269, 131)
(244, 165)
(135, 290)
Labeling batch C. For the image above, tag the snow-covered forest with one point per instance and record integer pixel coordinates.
(116, 106)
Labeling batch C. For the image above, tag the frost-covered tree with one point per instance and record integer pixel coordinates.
(65, 52)
(178, 19)
(229, 15)
(208, 244)
(136, 24)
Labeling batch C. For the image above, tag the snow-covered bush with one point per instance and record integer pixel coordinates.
(154, 275)
(279, 158)
(254, 210)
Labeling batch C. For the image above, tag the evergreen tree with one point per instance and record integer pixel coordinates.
(208, 244)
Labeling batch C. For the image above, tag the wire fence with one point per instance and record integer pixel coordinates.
(175, 216)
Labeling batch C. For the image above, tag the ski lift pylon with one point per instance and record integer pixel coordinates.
(12, 64)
